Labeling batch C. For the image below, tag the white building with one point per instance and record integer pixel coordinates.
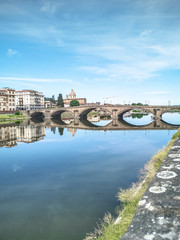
(29, 99)
(7, 99)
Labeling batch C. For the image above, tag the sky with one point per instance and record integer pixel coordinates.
(114, 51)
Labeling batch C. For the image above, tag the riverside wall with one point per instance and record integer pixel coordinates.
(158, 213)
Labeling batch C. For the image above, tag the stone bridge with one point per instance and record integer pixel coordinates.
(115, 111)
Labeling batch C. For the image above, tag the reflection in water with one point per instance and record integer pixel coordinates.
(53, 129)
(61, 130)
(139, 119)
(172, 118)
(72, 131)
(103, 123)
(59, 187)
(10, 135)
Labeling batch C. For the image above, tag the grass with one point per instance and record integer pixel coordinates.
(10, 118)
(11, 121)
(111, 229)
(136, 111)
(174, 111)
(93, 113)
(67, 115)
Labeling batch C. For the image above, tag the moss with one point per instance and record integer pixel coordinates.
(114, 230)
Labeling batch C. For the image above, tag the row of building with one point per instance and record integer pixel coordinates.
(11, 100)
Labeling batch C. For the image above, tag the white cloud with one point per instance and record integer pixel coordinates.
(51, 6)
(133, 61)
(145, 33)
(58, 80)
(47, 34)
(158, 93)
(11, 52)
(96, 70)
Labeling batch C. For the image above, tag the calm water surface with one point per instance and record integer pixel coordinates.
(58, 187)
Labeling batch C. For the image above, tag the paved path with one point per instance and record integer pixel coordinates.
(158, 212)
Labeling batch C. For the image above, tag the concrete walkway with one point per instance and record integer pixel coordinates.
(158, 212)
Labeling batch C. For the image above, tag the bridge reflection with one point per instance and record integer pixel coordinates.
(34, 130)
(115, 124)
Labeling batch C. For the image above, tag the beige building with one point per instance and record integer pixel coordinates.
(49, 104)
(72, 96)
(7, 99)
(29, 99)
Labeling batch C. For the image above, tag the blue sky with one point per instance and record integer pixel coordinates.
(126, 50)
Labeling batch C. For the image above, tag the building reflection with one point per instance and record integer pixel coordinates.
(8, 136)
(72, 131)
(11, 135)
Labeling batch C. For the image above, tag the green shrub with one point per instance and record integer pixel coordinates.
(74, 103)
(17, 113)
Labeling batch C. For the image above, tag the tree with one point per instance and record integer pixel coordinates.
(53, 99)
(61, 130)
(60, 102)
(74, 103)
(137, 104)
(53, 129)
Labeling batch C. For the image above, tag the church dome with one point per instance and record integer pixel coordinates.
(72, 94)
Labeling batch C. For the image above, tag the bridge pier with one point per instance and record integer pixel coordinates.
(47, 114)
(47, 122)
(114, 113)
(26, 113)
(76, 114)
(157, 114)
(157, 123)
(115, 122)
(76, 121)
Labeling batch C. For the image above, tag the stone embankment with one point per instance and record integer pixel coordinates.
(158, 213)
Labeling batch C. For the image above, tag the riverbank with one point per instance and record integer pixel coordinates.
(10, 118)
(114, 229)
(157, 214)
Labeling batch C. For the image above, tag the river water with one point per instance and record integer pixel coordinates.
(56, 183)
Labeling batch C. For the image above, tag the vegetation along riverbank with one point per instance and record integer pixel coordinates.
(113, 229)
(17, 116)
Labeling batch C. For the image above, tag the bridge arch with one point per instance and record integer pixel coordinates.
(170, 110)
(84, 112)
(121, 112)
(57, 113)
(169, 124)
(173, 111)
(122, 121)
(58, 122)
(38, 115)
